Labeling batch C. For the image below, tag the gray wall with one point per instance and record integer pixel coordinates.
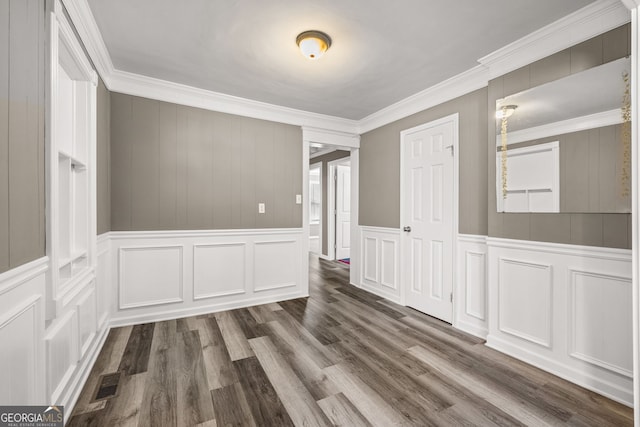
(595, 229)
(178, 168)
(380, 165)
(103, 166)
(22, 188)
(338, 154)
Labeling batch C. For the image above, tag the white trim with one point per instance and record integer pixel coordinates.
(330, 136)
(87, 28)
(149, 303)
(331, 204)
(472, 287)
(321, 225)
(162, 90)
(17, 276)
(82, 373)
(163, 234)
(596, 252)
(560, 358)
(501, 288)
(577, 124)
(575, 375)
(631, 4)
(375, 284)
(473, 238)
(573, 352)
(581, 25)
(455, 120)
(160, 315)
(456, 86)
(635, 197)
(593, 19)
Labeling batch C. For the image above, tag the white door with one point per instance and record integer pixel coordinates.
(428, 218)
(343, 211)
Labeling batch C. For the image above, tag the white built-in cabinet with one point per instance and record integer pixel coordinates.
(72, 178)
(74, 325)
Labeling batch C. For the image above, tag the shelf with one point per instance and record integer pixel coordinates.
(73, 258)
(76, 164)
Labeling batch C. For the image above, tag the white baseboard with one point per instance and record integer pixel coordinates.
(583, 378)
(82, 374)
(472, 329)
(161, 315)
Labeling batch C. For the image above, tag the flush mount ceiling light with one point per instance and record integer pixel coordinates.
(506, 111)
(313, 44)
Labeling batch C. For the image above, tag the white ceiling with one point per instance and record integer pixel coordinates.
(382, 52)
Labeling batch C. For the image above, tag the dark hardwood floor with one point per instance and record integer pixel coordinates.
(340, 357)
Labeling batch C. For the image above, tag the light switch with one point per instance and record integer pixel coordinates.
(260, 207)
(298, 199)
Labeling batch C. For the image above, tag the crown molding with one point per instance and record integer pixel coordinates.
(594, 19)
(461, 84)
(163, 90)
(588, 22)
(631, 4)
(87, 28)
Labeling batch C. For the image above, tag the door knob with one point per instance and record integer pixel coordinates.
(407, 229)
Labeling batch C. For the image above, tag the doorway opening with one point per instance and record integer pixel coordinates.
(315, 208)
(330, 202)
(339, 209)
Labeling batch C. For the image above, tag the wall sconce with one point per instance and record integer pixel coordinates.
(503, 114)
(506, 111)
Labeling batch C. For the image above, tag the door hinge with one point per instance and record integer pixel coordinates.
(451, 296)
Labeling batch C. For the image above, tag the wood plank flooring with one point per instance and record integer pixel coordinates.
(341, 357)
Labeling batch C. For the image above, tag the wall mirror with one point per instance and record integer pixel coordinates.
(568, 144)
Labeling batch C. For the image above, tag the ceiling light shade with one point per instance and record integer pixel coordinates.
(313, 44)
(506, 111)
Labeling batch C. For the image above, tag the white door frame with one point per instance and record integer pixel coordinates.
(345, 141)
(317, 165)
(331, 205)
(404, 275)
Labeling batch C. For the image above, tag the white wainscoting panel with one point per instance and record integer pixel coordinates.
(171, 274)
(369, 259)
(62, 353)
(87, 322)
(274, 265)
(380, 261)
(525, 300)
(219, 270)
(20, 335)
(565, 309)
(601, 336)
(389, 264)
(150, 275)
(22, 317)
(470, 292)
